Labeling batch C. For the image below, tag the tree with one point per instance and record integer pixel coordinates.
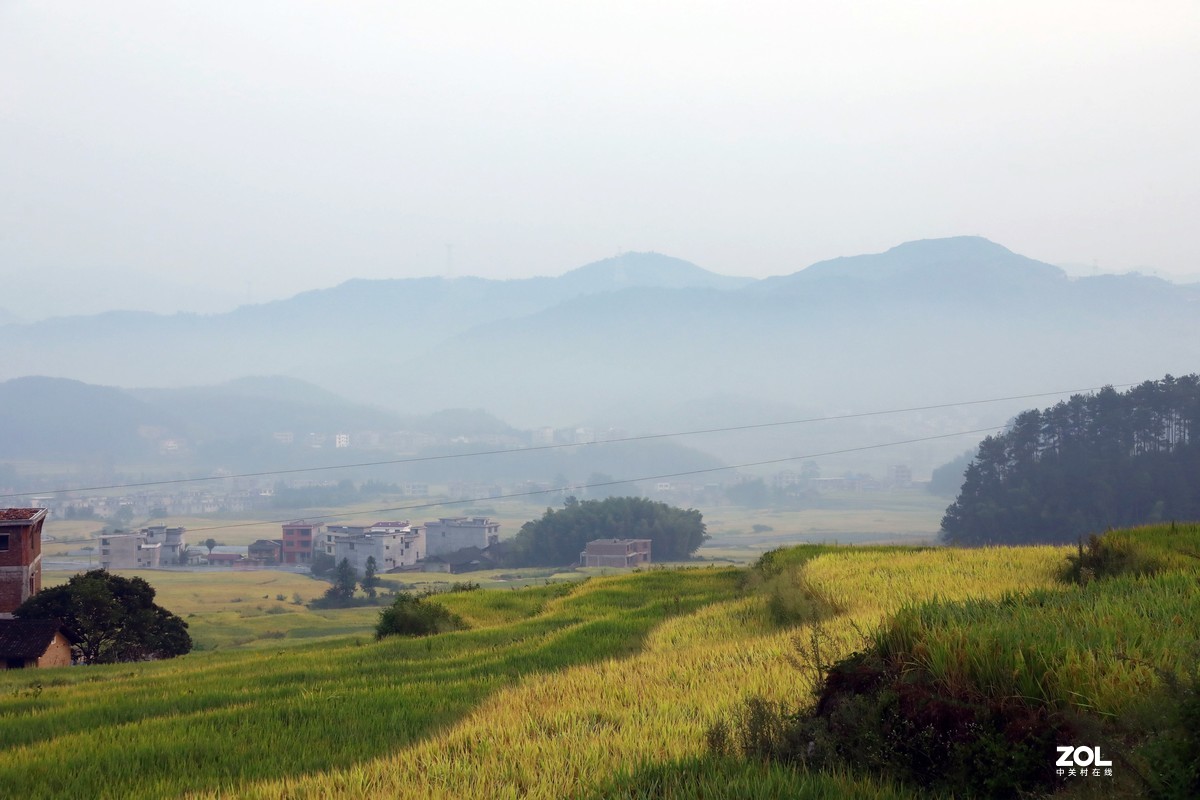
(345, 578)
(341, 593)
(184, 554)
(109, 618)
(410, 615)
(1086, 464)
(210, 544)
(370, 580)
(559, 536)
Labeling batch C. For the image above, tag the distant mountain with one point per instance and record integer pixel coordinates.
(272, 423)
(48, 419)
(332, 336)
(648, 270)
(959, 258)
(926, 322)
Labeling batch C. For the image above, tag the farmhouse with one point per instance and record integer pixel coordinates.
(20, 555)
(393, 545)
(449, 534)
(615, 553)
(129, 551)
(171, 539)
(26, 643)
(265, 551)
(298, 539)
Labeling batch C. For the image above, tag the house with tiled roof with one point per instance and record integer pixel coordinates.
(33, 643)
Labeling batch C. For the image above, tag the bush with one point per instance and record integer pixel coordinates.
(410, 615)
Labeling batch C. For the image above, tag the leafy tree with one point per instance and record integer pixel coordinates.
(559, 536)
(345, 578)
(948, 478)
(1087, 464)
(341, 593)
(369, 579)
(410, 615)
(210, 544)
(109, 618)
(184, 554)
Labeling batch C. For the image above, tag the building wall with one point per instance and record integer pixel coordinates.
(171, 539)
(298, 541)
(391, 550)
(128, 551)
(619, 553)
(21, 560)
(58, 654)
(449, 534)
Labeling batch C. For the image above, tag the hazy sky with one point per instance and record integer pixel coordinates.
(197, 155)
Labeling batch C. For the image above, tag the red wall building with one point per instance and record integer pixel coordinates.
(20, 555)
(298, 540)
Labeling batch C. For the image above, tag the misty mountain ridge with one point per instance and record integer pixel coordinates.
(927, 321)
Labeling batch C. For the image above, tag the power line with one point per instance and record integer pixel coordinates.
(539, 448)
(532, 492)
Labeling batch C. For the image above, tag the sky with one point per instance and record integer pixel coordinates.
(195, 156)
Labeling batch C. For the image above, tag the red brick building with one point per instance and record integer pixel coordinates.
(615, 553)
(298, 540)
(20, 555)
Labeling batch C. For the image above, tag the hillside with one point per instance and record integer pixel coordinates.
(236, 426)
(598, 689)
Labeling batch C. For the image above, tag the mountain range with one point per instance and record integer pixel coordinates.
(636, 336)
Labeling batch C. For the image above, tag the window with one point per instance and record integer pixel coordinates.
(3, 542)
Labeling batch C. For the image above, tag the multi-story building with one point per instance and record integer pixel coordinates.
(393, 545)
(615, 553)
(454, 533)
(298, 540)
(171, 539)
(20, 555)
(129, 551)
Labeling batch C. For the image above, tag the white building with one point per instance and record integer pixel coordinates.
(171, 539)
(454, 533)
(393, 545)
(128, 551)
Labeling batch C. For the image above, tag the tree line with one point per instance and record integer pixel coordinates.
(559, 536)
(1085, 465)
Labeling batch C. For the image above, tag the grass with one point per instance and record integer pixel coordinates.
(216, 721)
(601, 688)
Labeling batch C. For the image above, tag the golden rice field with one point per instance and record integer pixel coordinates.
(599, 689)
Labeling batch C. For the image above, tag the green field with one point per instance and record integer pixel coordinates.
(604, 687)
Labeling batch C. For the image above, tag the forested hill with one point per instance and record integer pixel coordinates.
(1083, 466)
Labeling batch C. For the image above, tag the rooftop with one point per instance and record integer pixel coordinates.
(26, 638)
(19, 514)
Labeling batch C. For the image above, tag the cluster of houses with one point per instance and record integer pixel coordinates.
(450, 544)
(395, 546)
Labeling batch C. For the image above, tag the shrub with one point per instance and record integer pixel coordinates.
(410, 615)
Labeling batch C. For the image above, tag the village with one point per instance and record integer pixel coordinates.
(448, 545)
